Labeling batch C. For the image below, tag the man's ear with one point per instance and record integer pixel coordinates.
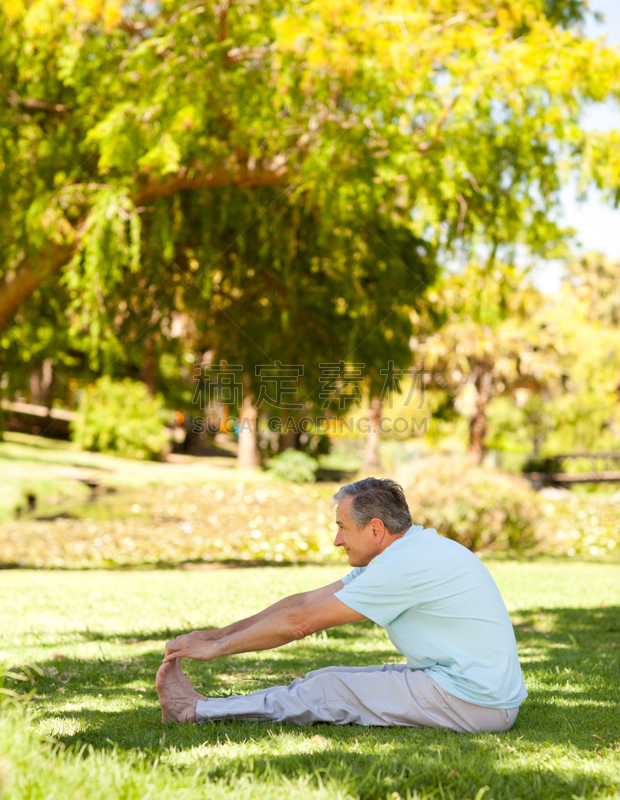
(378, 527)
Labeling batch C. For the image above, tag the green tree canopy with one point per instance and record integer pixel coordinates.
(154, 155)
(482, 336)
(582, 414)
(595, 282)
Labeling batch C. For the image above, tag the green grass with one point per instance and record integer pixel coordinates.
(51, 469)
(99, 637)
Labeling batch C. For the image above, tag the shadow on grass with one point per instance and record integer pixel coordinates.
(571, 667)
(422, 760)
(370, 764)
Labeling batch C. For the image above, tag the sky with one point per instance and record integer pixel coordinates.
(597, 223)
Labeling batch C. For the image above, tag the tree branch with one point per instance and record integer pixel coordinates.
(19, 285)
(222, 19)
(16, 287)
(36, 105)
(271, 174)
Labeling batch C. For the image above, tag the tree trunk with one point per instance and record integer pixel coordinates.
(371, 451)
(477, 432)
(289, 438)
(40, 383)
(147, 370)
(478, 424)
(247, 454)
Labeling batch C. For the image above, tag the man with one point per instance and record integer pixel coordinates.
(437, 602)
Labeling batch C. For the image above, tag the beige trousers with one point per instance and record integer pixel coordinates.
(391, 694)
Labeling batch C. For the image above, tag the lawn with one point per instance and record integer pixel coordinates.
(99, 636)
(54, 472)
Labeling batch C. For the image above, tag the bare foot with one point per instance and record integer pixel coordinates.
(177, 697)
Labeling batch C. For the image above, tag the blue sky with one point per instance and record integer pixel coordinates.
(597, 223)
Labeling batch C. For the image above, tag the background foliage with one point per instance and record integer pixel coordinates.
(240, 179)
(296, 466)
(480, 508)
(121, 417)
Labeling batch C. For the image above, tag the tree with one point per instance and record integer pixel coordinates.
(587, 415)
(582, 413)
(452, 113)
(140, 141)
(313, 298)
(594, 281)
(480, 337)
(371, 458)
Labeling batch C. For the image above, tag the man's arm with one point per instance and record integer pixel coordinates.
(293, 601)
(278, 628)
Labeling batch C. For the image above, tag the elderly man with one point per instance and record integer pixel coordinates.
(437, 602)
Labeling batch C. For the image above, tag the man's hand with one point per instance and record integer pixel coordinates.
(191, 645)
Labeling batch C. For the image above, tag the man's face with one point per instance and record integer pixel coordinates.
(360, 544)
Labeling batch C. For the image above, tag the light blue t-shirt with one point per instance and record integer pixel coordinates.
(443, 611)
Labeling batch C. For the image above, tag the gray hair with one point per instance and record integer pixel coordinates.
(379, 498)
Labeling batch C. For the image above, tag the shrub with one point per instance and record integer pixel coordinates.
(121, 417)
(293, 465)
(480, 508)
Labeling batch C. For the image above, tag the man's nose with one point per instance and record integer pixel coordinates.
(339, 540)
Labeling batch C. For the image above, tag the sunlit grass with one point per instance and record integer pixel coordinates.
(52, 469)
(99, 637)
